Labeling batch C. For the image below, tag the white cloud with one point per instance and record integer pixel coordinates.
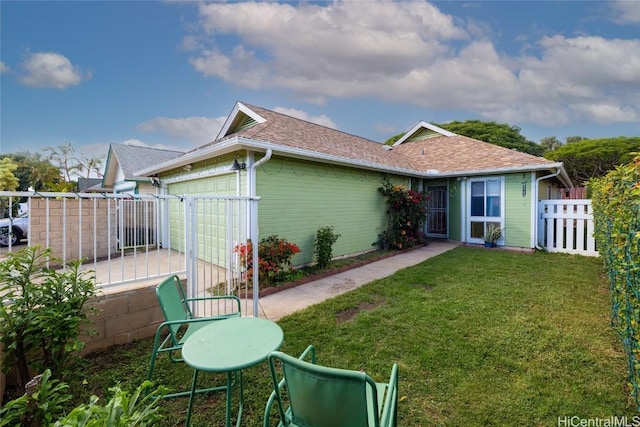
(293, 47)
(626, 11)
(199, 130)
(608, 112)
(4, 68)
(299, 114)
(410, 51)
(51, 70)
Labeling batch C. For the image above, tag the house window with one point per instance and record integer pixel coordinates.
(486, 199)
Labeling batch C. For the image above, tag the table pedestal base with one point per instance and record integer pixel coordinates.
(231, 379)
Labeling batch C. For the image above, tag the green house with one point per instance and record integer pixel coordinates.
(309, 176)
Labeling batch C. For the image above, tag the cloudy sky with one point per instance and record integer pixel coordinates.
(166, 74)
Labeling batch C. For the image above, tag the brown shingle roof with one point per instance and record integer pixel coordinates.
(444, 154)
(448, 154)
(295, 133)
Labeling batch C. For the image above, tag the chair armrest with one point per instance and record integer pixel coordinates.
(390, 405)
(309, 351)
(234, 298)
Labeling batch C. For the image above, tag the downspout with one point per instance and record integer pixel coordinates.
(254, 228)
(254, 167)
(535, 230)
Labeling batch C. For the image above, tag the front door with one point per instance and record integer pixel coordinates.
(436, 224)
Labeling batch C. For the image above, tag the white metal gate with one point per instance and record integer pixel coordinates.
(566, 226)
(215, 229)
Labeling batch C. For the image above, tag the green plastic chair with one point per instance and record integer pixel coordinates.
(180, 324)
(311, 395)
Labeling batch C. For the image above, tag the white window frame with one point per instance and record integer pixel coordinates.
(491, 219)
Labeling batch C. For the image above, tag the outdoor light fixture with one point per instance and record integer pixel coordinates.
(238, 166)
(187, 167)
(155, 182)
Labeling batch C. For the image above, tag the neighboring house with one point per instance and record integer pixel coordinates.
(309, 176)
(124, 160)
(90, 185)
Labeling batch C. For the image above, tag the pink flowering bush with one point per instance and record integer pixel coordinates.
(406, 217)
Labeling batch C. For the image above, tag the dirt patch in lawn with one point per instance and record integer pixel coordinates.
(349, 314)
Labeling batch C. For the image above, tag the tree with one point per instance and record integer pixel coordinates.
(593, 158)
(90, 164)
(500, 134)
(550, 143)
(63, 156)
(8, 180)
(571, 139)
(35, 172)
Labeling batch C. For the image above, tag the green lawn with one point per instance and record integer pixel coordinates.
(481, 337)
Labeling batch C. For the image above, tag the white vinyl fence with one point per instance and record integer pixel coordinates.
(566, 226)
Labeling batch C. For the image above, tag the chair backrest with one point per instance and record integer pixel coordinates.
(173, 302)
(321, 396)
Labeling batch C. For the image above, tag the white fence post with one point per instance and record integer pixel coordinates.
(566, 226)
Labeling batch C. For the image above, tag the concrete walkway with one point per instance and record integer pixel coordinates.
(280, 304)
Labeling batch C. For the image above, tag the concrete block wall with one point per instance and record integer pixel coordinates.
(83, 223)
(124, 317)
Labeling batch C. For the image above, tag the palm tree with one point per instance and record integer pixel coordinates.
(63, 156)
(91, 164)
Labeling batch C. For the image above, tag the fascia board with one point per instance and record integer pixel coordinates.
(495, 171)
(238, 143)
(564, 176)
(219, 148)
(239, 107)
(110, 168)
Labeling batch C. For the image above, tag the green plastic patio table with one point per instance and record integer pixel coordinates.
(229, 346)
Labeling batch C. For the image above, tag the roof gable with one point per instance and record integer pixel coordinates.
(241, 117)
(131, 158)
(423, 130)
(461, 154)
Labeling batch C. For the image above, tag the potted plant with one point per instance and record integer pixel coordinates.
(492, 235)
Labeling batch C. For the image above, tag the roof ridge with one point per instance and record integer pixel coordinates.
(310, 122)
(147, 148)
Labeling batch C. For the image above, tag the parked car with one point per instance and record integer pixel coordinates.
(12, 230)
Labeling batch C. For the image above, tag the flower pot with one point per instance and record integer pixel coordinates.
(489, 244)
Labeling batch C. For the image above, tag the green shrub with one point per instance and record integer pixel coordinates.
(123, 410)
(42, 313)
(616, 211)
(40, 407)
(323, 245)
(46, 404)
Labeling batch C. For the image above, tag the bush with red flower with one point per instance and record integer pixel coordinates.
(407, 214)
(274, 259)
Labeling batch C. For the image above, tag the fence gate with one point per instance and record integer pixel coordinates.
(566, 226)
(215, 228)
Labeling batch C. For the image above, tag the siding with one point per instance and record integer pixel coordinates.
(211, 228)
(518, 210)
(298, 197)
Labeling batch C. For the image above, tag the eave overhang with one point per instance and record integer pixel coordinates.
(240, 143)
